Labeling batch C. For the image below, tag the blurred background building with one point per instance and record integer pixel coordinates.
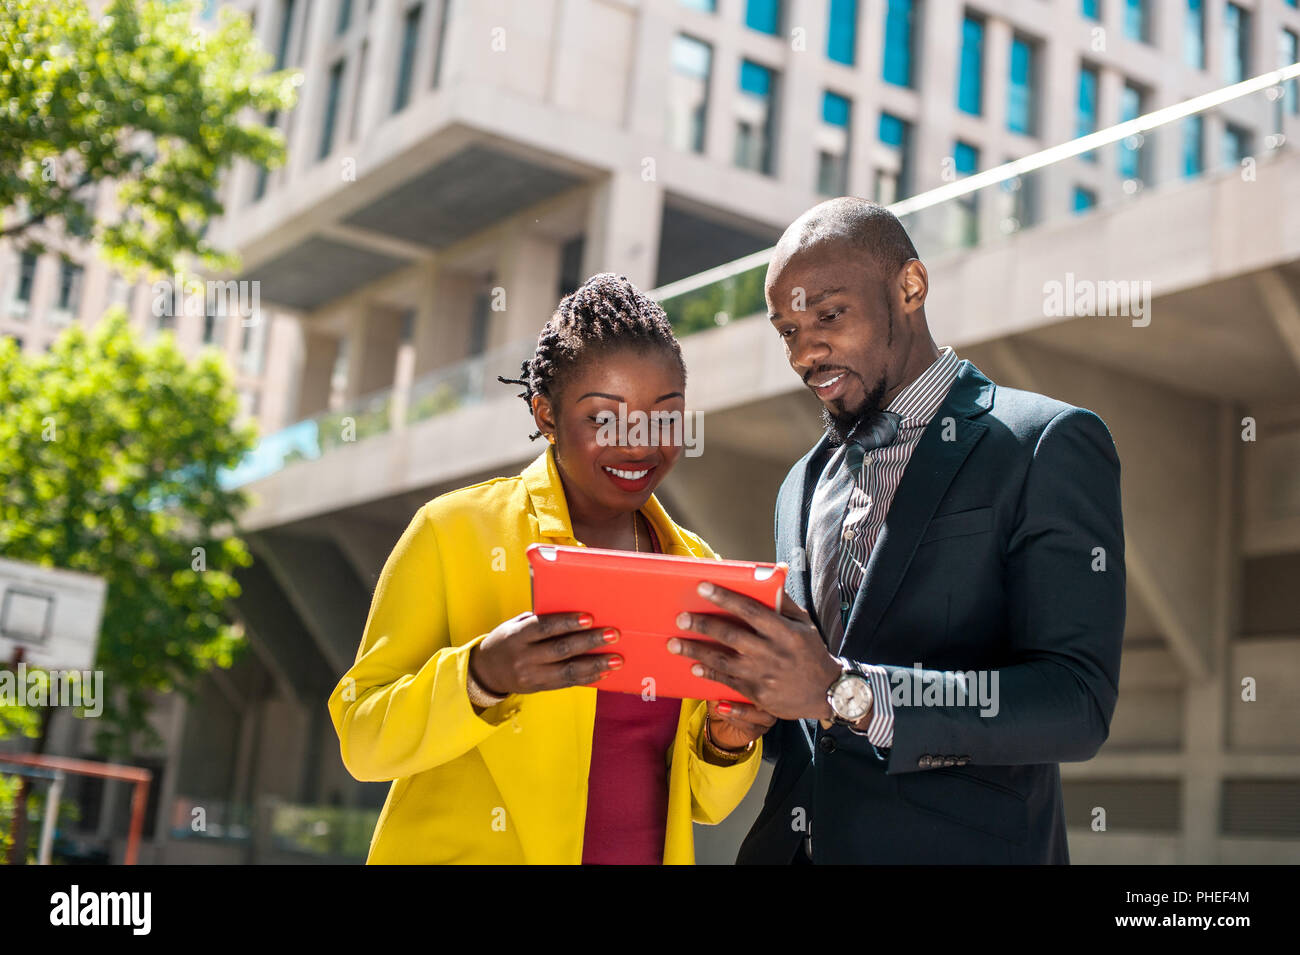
(455, 167)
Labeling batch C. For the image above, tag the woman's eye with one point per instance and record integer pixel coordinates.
(602, 418)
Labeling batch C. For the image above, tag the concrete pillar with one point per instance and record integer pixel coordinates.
(934, 71)
(525, 288)
(442, 320)
(373, 336)
(319, 353)
(799, 100)
(303, 142)
(623, 223)
(382, 56)
(653, 39)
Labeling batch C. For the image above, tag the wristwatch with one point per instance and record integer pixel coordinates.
(849, 696)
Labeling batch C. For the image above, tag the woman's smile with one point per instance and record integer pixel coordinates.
(630, 479)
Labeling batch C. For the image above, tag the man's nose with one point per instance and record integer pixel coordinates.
(807, 352)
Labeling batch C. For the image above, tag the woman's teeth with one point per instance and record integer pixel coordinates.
(628, 475)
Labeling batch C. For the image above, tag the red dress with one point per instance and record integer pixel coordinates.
(627, 787)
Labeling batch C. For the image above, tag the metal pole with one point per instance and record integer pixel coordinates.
(51, 820)
(18, 848)
(138, 799)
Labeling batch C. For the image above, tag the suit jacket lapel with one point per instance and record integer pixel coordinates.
(931, 469)
(793, 526)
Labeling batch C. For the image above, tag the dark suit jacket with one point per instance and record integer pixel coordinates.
(988, 560)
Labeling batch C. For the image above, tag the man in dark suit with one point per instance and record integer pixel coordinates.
(959, 549)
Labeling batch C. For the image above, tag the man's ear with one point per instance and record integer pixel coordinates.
(915, 284)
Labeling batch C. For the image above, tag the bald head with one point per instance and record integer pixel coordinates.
(858, 223)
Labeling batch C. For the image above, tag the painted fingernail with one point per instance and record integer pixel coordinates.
(697, 670)
(724, 707)
(674, 645)
(615, 663)
(704, 589)
(586, 620)
(610, 635)
(684, 620)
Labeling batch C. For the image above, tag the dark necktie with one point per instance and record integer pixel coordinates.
(825, 527)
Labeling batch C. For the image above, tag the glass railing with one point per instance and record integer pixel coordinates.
(442, 390)
(1237, 127)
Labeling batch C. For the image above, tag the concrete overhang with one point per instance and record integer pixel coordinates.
(1217, 252)
(402, 213)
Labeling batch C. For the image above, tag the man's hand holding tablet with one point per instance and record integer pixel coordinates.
(777, 659)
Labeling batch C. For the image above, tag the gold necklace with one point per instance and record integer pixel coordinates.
(636, 536)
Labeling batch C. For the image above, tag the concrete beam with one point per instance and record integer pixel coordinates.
(1282, 303)
(365, 544)
(323, 590)
(283, 643)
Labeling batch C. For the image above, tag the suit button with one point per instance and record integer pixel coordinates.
(963, 760)
(924, 761)
(826, 744)
(950, 760)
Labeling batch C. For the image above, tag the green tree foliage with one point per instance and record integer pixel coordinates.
(109, 460)
(137, 96)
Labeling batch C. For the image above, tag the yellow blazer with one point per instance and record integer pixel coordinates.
(509, 785)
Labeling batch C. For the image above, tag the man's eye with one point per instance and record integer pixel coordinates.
(831, 315)
(786, 332)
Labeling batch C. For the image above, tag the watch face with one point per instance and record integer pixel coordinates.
(851, 697)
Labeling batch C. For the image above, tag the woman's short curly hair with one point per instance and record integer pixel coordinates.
(606, 313)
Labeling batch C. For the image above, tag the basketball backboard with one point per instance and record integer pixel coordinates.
(53, 614)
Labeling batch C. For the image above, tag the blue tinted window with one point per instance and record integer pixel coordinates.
(691, 57)
(1084, 199)
(1091, 9)
(893, 131)
(1130, 107)
(763, 15)
(898, 43)
(835, 109)
(966, 158)
(755, 79)
(1020, 113)
(1236, 37)
(1236, 145)
(1193, 145)
(1288, 53)
(704, 6)
(1194, 34)
(842, 35)
(1086, 119)
(1135, 19)
(969, 70)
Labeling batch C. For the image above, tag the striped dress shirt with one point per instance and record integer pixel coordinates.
(864, 516)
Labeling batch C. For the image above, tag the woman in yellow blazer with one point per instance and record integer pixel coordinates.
(542, 768)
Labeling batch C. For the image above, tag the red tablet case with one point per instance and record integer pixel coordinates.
(640, 595)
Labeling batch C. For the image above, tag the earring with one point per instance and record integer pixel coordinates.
(550, 438)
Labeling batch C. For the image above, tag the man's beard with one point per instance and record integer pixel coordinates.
(840, 426)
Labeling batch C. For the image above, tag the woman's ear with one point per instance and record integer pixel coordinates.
(544, 416)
